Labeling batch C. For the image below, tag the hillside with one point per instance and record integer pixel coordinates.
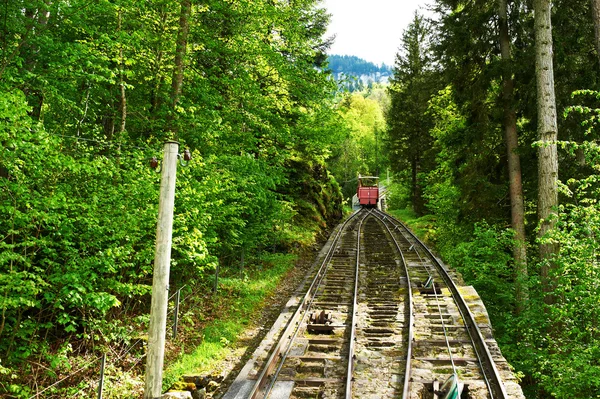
(354, 73)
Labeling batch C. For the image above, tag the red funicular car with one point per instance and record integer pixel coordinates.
(368, 191)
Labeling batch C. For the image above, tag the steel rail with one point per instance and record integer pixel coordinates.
(491, 375)
(301, 311)
(438, 306)
(350, 370)
(411, 320)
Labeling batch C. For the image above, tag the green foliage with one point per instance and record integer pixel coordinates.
(441, 193)
(360, 148)
(398, 196)
(68, 253)
(87, 96)
(485, 261)
(564, 359)
(243, 298)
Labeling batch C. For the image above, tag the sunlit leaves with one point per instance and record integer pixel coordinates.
(86, 99)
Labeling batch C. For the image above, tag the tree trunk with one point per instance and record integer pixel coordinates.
(514, 163)
(548, 134)
(180, 51)
(413, 183)
(36, 24)
(123, 97)
(596, 18)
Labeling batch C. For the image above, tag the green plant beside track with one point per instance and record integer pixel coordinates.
(239, 299)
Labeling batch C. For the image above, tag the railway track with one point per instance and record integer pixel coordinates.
(381, 318)
(445, 339)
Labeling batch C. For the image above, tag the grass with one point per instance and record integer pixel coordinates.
(240, 297)
(422, 226)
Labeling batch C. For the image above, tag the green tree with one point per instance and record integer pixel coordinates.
(548, 135)
(513, 160)
(362, 146)
(411, 88)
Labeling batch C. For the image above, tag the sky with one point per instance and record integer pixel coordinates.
(369, 29)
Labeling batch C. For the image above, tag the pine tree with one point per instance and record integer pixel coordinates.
(548, 135)
(514, 162)
(410, 90)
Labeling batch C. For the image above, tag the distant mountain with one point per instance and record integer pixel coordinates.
(354, 73)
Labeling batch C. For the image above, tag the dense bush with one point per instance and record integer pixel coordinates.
(88, 94)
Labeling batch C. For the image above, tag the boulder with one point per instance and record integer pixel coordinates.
(177, 395)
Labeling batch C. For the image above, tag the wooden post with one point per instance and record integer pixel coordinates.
(101, 383)
(176, 313)
(160, 282)
(216, 285)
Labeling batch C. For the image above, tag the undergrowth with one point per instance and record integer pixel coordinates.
(242, 296)
(209, 326)
(422, 226)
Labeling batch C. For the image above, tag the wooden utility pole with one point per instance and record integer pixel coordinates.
(160, 282)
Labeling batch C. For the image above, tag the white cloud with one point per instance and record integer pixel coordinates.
(369, 29)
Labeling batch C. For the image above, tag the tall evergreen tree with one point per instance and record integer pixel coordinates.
(548, 135)
(514, 162)
(466, 47)
(410, 90)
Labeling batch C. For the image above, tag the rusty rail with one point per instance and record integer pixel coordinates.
(277, 357)
(490, 372)
(411, 320)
